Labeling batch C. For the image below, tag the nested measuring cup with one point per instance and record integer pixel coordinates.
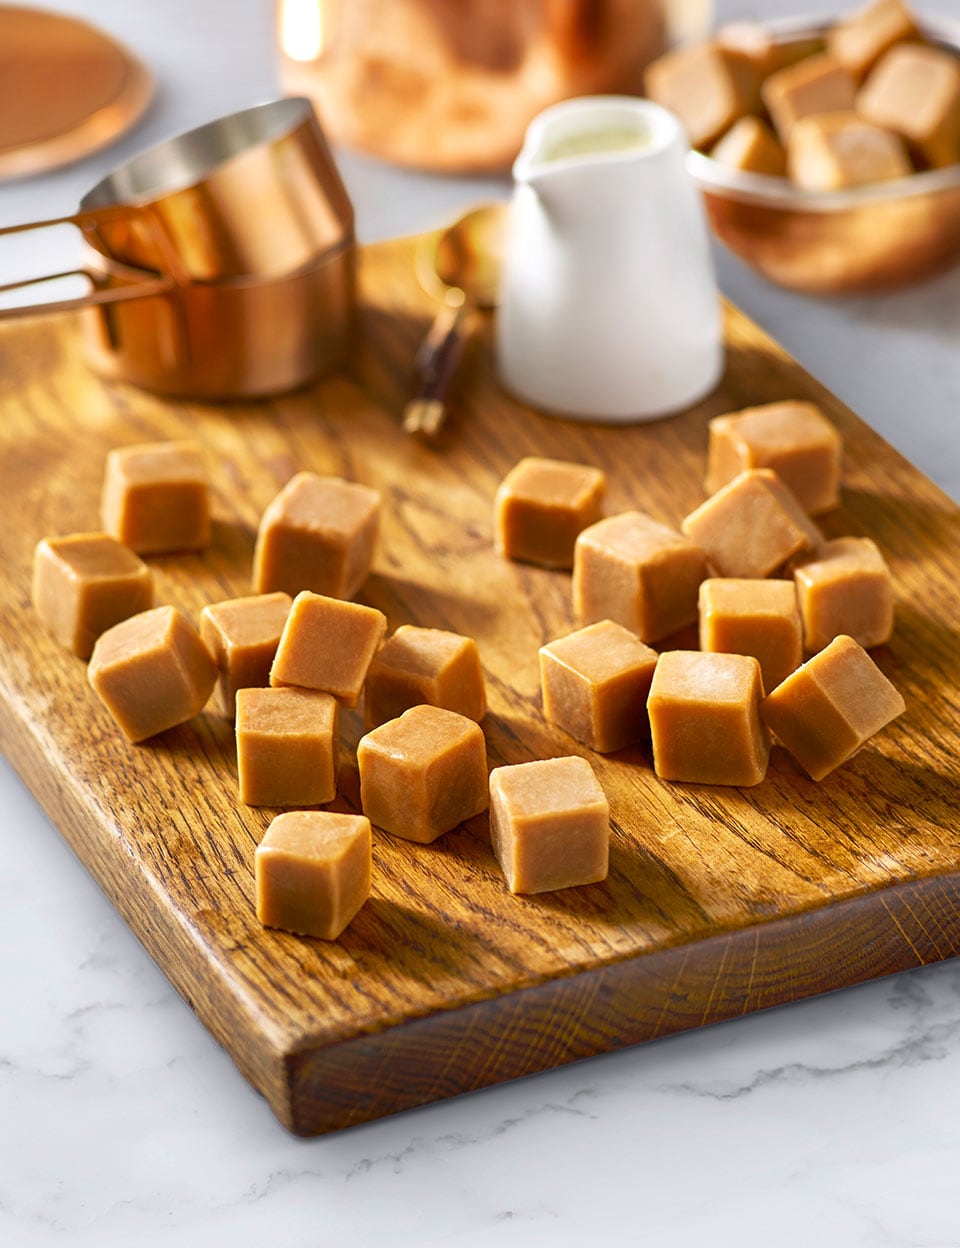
(220, 263)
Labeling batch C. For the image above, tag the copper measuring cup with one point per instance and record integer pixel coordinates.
(220, 263)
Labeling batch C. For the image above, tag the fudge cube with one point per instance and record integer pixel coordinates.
(706, 86)
(549, 824)
(313, 872)
(542, 505)
(751, 526)
(860, 39)
(288, 747)
(819, 84)
(757, 46)
(755, 617)
(319, 533)
(705, 721)
(152, 672)
(751, 146)
(915, 91)
(85, 583)
(156, 497)
(638, 573)
(828, 708)
(836, 150)
(794, 439)
(242, 634)
(844, 588)
(595, 683)
(328, 644)
(424, 773)
(424, 665)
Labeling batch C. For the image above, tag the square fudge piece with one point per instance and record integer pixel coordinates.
(837, 150)
(319, 533)
(752, 146)
(549, 825)
(540, 508)
(638, 573)
(754, 43)
(152, 672)
(328, 644)
(794, 439)
(424, 773)
(915, 91)
(156, 497)
(818, 84)
(707, 86)
(751, 526)
(828, 708)
(288, 747)
(424, 665)
(313, 872)
(754, 617)
(705, 721)
(859, 40)
(242, 634)
(85, 583)
(595, 684)
(845, 588)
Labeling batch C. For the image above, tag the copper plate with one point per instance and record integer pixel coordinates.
(66, 89)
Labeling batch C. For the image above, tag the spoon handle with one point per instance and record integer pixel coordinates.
(436, 362)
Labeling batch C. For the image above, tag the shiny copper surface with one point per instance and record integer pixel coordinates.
(66, 89)
(221, 264)
(837, 242)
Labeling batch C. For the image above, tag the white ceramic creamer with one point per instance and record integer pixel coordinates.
(608, 302)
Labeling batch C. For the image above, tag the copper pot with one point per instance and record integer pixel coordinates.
(221, 263)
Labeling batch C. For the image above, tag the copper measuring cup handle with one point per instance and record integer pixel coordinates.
(87, 222)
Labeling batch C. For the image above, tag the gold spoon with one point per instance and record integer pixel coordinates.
(461, 267)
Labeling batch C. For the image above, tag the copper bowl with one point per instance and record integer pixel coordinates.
(837, 242)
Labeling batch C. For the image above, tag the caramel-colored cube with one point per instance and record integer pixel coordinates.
(288, 747)
(836, 150)
(755, 617)
(705, 721)
(156, 497)
(318, 533)
(595, 684)
(819, 84)
(641, 574)
(152, 672)
(85, 583)
(915, 91)
(751, 146)
(845, 588)
(424, 773)
(328, 644)
(424, 665)
(242, 634)
(751, 526)
(542, 505)
(825, 711)
(707, 88)
(759, 47)
(794, 439)
(313, 871)
(549, 824)
(860, 39)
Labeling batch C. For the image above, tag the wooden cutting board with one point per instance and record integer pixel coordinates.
(718, 902)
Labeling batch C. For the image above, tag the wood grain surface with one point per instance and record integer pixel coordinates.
(719, 901)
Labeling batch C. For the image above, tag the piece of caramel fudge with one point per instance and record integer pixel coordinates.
(85, 583)
(818, 84)
(838, 150)
(844, 588)
(751, 146)
(424, 665)
(542, 505)
(858, 40)
(704, 718)
(754, 617)
(828, 708)
(328, 644)
(288, 746)
(156, 497)
(706, 86)
(915, 91)
(549, 824)
(242, 634)
(313, 870)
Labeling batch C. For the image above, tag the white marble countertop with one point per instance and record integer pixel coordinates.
(831, 1122)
